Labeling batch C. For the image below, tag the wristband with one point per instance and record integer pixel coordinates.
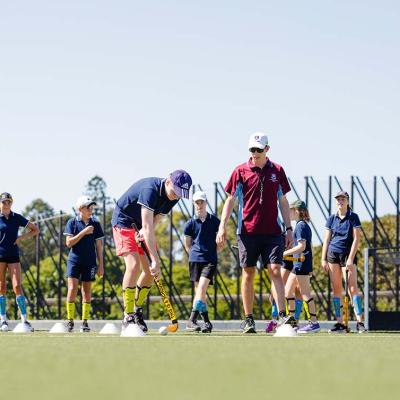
(289, 228)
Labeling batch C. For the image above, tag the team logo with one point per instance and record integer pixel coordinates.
(274, 178)
(256, 137)
(185, 186)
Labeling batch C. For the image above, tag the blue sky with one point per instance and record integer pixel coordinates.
(129, 89)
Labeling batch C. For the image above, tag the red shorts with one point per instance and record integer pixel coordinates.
(124, 239)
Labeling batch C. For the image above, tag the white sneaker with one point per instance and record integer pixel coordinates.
(4, 326)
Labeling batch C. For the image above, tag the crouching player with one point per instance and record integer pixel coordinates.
(84, 237)
(10, 222)
(300, 274)
(200, 234)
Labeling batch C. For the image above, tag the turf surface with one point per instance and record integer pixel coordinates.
(198, 366)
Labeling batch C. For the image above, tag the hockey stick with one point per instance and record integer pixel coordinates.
(173, 327)
(346, 301)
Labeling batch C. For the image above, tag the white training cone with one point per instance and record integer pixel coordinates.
(109, 329)
(132, 330)
(58, 327)
(22, 328)
(286, 330)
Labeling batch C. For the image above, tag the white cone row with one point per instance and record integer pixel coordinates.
(22, 328)
(58, 327)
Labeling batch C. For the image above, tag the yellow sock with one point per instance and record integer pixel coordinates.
(129, 299)
(86, 311)
(141, 296)
(70, 310)
(306, 309)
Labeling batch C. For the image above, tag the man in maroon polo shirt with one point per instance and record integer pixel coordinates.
(259, 185)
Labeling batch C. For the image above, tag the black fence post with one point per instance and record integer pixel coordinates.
(37, 249)
(60, 249)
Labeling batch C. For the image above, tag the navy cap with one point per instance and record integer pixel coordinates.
(342, 194)
(6, 197)
(182, 182)
(299, 204)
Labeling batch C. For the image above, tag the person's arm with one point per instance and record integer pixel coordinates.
(188, 243)
(33, 231)
(73, 240)
(299, 248)
(148, 234)
(354, 246)
(324, 253)
(226, 213)
(285, 211)
(157, 219)
(99, 253)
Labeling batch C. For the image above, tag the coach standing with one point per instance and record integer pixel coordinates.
(259, 185)
(142, 205)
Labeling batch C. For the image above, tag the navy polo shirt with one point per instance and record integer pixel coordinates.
(342, 231)
(149, 193)
(302, 232)
(84, 252)
(203, 234)
(9, 228)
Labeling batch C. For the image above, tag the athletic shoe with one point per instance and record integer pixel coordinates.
(207, 327)
(28, 325)
(70, 325)
(311, 327)
(85, 327)
(361, 327)
(248, 325)
(271, 327)
(338, 328)
(139, 320)
(128, 319)
(193, 326)
(4, 326)
(288, 320)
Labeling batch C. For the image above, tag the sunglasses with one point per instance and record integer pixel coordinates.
(256, 150)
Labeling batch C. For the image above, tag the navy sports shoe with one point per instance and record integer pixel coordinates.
(338, 328)
(4, 326)
(207, 327)
(139, 320)
(85, 327)
(70, 325)
(28, 325)
(361, 327)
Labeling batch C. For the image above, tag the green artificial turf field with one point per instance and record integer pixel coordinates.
(183, 366)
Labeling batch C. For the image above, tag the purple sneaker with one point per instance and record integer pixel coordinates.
(311, 327)
(271, 327)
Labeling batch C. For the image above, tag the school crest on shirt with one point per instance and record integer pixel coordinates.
(273, 178)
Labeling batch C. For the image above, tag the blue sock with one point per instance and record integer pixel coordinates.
(200, 306)
(336, 306)
(298, 309)
(3, 306)
(357, 304)
(21, 304)
(274, 310)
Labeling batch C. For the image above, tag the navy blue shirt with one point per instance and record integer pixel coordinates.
(302, 231)
(84, 252)
(203, 234)
(342, 231)
(9, 232)
(149, 193)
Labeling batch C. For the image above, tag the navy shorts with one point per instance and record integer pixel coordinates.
(10, 260)
(301, 269)
(287, 265)
(269, 247)
(198, 269)
(81, 272)
(339, 258)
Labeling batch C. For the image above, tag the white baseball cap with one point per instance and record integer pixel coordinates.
(84, 201)
(199, 195)
(258, 140)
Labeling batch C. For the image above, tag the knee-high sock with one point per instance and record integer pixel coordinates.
(86, 307)
(129, 300)
(307, 308)
(3, 307)
(290, 305)
(141, 296)
(357, 304)
(274, 310)
(70, 310)
(337, 307)
(298, 309)
(21, 305)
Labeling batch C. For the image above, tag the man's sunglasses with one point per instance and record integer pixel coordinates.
(256, 150)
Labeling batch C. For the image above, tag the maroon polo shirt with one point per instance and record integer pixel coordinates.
(258, 190)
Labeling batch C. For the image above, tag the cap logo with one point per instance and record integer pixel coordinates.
(185, 186)
(256, 137)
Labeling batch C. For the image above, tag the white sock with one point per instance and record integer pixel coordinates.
(3, 318)
(23, 317)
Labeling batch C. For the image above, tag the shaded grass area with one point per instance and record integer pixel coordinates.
(183, 366)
